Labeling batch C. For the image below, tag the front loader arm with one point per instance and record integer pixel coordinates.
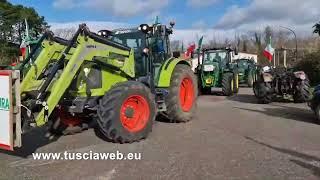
(89, 47)
(61, 85)
(51, 50)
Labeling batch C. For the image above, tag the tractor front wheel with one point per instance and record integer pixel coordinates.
(228, 84)
(126, 112)
(250, 79)
(236, 83)
(262, 92)
(183, 93)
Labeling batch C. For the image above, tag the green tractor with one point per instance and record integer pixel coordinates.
(120, 79)
(216, 70)
(247, 71)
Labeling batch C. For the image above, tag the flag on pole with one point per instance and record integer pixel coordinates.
(200, 44)
(269, 51)
(24, 45)
(23, 49)
(190, 50)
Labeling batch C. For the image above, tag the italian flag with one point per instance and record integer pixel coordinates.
(269, 51)
(23, 49)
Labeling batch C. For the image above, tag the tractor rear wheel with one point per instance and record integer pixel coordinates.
(126, 112)
(183, 93)
(302, 91)
(228, 84)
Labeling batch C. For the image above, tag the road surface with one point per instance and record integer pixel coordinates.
(231, 138)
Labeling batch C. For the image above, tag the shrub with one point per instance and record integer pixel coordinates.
(311, 66)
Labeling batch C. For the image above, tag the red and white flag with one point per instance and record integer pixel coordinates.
(190, 50)
(269, 51)
(23, 49)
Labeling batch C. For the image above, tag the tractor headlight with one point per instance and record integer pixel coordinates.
(209, 68)
(208, 81)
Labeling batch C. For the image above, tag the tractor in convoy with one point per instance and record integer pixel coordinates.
(281, 82)
(247, 71)
(120, 79)
(314, 104)
(216, 70)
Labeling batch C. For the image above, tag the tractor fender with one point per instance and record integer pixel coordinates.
(267, 77)
(300, 75)
(167, 69)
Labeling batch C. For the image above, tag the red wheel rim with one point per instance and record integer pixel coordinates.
(134, 113)
(67, 119)
(186, 94)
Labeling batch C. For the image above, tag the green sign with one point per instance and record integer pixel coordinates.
(4, 104)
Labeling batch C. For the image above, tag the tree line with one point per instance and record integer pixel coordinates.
(12, 28)
(255, 41)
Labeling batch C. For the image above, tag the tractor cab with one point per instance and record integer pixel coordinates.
(136, 40)
(151, 45)
(220, 56)
(217, 58)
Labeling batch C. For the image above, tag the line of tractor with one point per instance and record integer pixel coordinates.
(118, 82)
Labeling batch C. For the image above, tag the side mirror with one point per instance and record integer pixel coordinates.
(176, 54)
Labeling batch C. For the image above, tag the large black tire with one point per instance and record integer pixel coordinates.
(228, 84)
(302, 92)
(178, 111)
(261, 92)
(123, 101)
(235, 83)
(250, 80)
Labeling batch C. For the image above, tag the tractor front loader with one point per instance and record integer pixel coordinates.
(121, 80)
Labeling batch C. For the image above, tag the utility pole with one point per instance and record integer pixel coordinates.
(295, 36)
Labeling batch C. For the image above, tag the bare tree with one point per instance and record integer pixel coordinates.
(316, 28)
(65, 33)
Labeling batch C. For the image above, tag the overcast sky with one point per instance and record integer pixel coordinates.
(194, 18)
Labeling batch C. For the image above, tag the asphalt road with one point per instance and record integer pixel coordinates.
(232, 138)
